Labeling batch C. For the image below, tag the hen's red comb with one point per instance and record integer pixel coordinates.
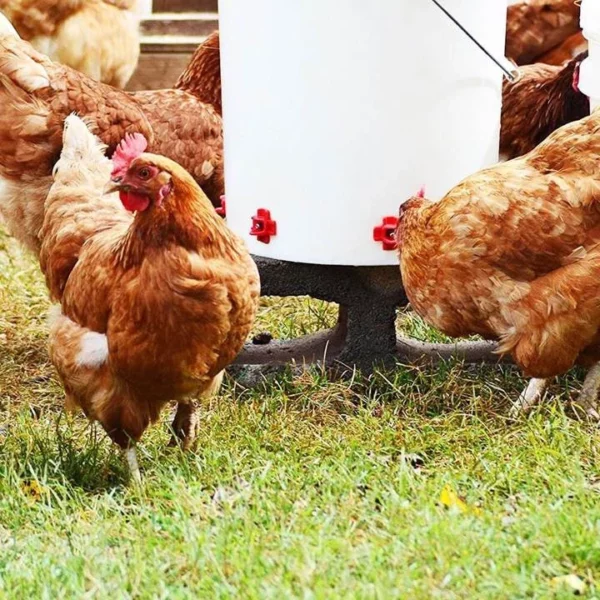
(131, 146)
(421, 192)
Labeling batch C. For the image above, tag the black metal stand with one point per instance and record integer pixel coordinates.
(365, 335)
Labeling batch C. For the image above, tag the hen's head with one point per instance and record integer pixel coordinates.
(413, 202)
(140, 179)
(417, 199)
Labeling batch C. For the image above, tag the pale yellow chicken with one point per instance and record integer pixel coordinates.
(97, 37)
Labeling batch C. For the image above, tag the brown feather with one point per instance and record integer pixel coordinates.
(536, 26)
(202, 78)
(539, 102)
(97, 37)
(37, 95)
(572, 47)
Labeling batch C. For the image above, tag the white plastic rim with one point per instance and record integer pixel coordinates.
(589, 19)
(589, 75)
(144, 8)
(337, 111)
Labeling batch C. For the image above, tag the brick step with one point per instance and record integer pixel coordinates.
(185, 6)
(169, 40)
(162, 60)
(179, 24)
(168, 44)
(158, 70)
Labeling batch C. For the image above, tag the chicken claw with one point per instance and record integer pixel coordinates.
(132, 463)
(185, 426)
(588, 398)
(530, 396)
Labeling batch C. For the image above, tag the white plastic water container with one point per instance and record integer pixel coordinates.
(589, 75)
(144, 8)
(337, 111)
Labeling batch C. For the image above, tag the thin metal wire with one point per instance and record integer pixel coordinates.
(511, 76)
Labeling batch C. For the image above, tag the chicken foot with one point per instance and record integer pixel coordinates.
(530, 397)
(588, 397)
(185, 425)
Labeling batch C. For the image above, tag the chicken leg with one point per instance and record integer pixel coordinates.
(185, 425)
(530, 396)
(132, 463)
(588, 398)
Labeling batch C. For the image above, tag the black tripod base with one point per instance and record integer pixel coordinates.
(365, 335)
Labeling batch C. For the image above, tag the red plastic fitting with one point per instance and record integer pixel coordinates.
(386, 233)
(263, 227)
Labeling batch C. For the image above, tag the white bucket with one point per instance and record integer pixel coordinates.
(589, 75)
(336, 111)
(144, 8)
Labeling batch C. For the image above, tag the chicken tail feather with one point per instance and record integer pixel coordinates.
(80, 145)
(556, 320)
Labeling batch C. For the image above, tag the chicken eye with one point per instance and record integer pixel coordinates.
(144, 173)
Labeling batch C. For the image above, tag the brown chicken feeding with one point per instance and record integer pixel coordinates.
(97, 37)
(37, 95)
(513, 254)
(542, 99)
(154, 306)
(536, 26)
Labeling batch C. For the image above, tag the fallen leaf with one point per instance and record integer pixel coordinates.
(572, 581)
(33, 489)
(450, 499)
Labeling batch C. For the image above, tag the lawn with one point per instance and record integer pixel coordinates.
(411, 485)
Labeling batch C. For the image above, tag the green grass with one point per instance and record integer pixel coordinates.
(307, 489)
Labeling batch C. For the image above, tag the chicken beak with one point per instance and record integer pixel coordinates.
(112, 186)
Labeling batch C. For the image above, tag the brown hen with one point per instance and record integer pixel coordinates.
(97, 37)
(536, 26)
(38, 94)
(542, 99)
(154, 306)
(513, 254)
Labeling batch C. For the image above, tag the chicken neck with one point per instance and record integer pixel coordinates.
(185, 220)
